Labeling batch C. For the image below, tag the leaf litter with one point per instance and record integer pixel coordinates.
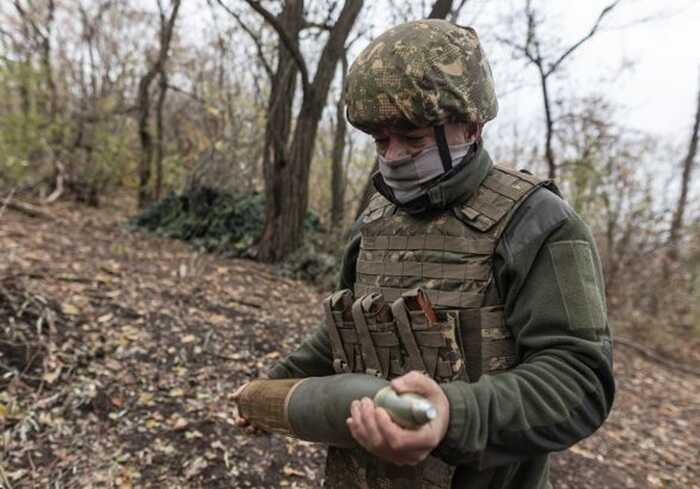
(119, 353)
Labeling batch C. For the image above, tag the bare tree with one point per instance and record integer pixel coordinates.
(287, 163)
(167, 24)
(688, 162)
(548, 64)
(42, 38)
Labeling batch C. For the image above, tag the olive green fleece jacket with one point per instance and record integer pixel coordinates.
(548, 275)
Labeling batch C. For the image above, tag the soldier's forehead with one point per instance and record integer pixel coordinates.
(401, 131)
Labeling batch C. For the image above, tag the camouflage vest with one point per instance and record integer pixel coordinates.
(449, 255)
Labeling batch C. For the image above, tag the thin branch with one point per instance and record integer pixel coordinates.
(191, 95)
(253, 36)
(454, 15)
(316, 25)
(286, 40)
(7, 201)
(590, 34)
(28, 210)
(656, 357)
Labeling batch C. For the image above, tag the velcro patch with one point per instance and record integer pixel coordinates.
(579, 285)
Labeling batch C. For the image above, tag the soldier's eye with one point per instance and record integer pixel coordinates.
(414, 140)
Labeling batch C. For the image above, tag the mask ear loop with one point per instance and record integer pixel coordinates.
(443, 148)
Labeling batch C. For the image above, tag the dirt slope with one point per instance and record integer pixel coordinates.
(119, 352)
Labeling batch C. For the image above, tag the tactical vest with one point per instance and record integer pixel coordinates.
(449, 255)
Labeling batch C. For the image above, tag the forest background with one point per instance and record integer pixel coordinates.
(221, 123)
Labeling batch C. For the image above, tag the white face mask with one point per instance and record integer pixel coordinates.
(407, 177)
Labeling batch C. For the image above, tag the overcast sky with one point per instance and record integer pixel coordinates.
(658, 93)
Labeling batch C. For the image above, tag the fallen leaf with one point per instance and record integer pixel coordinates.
(105, 317)
(190, 338)
(195, 467)
(151, 423)
(69, 309)
(51, 376)
(291, 471)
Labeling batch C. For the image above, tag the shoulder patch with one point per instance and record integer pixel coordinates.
(579, 284)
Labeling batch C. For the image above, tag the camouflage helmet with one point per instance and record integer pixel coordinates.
(421, 74)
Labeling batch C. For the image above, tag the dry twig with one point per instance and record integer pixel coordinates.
(655, 357)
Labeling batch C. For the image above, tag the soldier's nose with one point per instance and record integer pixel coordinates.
(395, 150)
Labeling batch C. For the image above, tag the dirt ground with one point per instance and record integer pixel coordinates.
(119, 353)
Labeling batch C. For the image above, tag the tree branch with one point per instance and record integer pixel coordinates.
(677, 221)
(590, 34)
(191, 95)
(656, 357)
(253, 36)
(441, 9)
(316, 25)
(286, 40)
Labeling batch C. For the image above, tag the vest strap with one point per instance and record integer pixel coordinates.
(403, 325)
(334, 336)
(453, 244)
(456, 271)
(369, 352)
(514, 191)
(443, 298)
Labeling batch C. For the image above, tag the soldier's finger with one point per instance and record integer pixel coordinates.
(407, 440)
(240, 422)
(358, 422)
(392, 433)
(238, 391)
(369, 414)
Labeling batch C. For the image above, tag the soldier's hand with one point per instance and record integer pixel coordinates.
(374, 429)
(239, 420)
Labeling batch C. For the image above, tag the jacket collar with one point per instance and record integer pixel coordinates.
(455, 186)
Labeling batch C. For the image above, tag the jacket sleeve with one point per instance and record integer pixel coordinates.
(548, 273)
(314, 358)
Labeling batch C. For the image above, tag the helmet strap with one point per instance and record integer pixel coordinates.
(443, 148)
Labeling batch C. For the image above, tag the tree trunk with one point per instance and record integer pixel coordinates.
(288, 202)
(144, 169)
(337, 174)
(677, 222)
(549, 127)
(276, 168)
(441, 9)
(145, 193)
(162, 91)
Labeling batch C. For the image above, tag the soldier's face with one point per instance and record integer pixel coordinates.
(394, 144)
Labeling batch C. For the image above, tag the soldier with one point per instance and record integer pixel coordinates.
(499, 245)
